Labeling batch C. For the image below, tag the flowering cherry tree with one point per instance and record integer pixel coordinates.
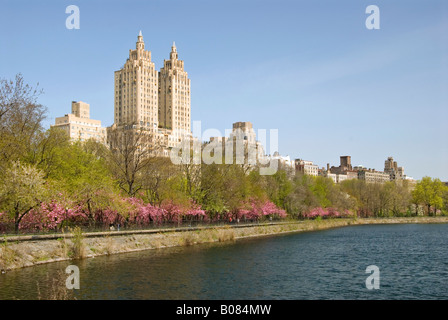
(255, 210)
(326, 213)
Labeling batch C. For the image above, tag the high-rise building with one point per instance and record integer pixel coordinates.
(136, 90)
(154, 103)
(174, 95)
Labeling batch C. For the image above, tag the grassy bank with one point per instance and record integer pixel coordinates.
(18, 254)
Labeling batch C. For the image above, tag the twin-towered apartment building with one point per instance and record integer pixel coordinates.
(157, 102)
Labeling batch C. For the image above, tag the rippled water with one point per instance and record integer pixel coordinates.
(330, 264)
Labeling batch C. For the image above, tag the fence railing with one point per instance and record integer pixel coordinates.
(8, 228)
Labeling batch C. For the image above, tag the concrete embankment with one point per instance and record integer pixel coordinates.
(25, 251)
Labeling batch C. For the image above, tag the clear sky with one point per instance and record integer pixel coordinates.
(310, 69)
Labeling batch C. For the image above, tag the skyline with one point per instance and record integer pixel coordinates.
(330, 86)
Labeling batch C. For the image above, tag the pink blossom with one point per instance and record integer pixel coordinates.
(255, 209)
(327, 212)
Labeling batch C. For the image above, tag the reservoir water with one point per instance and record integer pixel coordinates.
(330, 264)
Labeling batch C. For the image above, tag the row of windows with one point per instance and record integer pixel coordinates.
(87, 129)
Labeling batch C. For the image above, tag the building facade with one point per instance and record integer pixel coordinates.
(243, 131)
(345, 165)
(136, 90)
(336, 177)
(79, 126)
(373, 176)
(174, 95)
(243, 144)
(391, 167)
(306, 167)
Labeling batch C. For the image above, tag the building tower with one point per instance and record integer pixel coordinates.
(81, 109)
(346, 163)
(136, 90)
(243, 131)
(391, 167)
(174, 96)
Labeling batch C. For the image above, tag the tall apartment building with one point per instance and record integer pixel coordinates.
(136, 90)
(78, 124)
(156, 103)
(174, 95)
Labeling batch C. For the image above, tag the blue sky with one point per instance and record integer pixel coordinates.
(310, 69)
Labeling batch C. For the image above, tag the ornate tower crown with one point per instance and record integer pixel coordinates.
(173, 54)
(140, 43)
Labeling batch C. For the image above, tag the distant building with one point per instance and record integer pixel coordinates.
(391, 167)
(346, 171)
(242, 142)
(341, 177)
(243, 131)
(343, 172)
(345, 165)
(306, 167)
(336, 177)
(78, 124)
(351, 174)
(371, 175)
(284, 161)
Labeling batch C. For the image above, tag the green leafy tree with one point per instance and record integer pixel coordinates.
(278, 186)
(301, 198)
(20, 119)
(401, 198)
(363, 194)
(131, 150)
(156, 177)
(83, 175)
(48, 150)
(321, 188)
(21, 190)
(429, 193)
